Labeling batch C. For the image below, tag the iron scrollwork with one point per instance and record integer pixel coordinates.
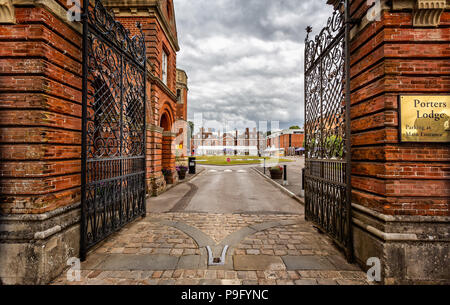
(326, 130)
(114, 94)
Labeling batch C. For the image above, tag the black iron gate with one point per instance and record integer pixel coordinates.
(113, 138)
(327, 130)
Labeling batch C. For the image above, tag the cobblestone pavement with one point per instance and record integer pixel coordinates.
(171, 249)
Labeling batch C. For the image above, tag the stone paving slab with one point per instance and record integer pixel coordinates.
(121, 262)
(259, 262)
(192, 262)
(306, 262)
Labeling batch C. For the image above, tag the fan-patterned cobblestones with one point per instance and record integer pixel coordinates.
(149, 237)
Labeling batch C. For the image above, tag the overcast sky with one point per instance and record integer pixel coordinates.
(244, 58)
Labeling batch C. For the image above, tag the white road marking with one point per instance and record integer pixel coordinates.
(212, 171)
(228, 171)
(242, 171)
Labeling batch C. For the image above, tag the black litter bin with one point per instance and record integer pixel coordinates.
(192, 165)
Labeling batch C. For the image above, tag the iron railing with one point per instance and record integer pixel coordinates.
(327, 129)
(113, 126)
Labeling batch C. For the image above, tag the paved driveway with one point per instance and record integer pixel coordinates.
(219, 189)
(226, 226)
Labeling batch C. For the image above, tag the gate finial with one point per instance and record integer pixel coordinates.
(308, 30)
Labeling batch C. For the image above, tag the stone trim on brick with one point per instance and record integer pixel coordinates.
(428, 12)
(53, 7)
(47, 239)
(136, 8)
(7, 14)
(154, 128)
(169, 134)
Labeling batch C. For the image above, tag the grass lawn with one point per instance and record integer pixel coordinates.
(236, 160)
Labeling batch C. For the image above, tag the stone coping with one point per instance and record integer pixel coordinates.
(42, 216)
(401, 218)
(169, 134)
(155, 129)
(389, 228)
(31, 227)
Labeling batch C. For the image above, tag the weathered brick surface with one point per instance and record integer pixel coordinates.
(390, 58)
(40, 113)
(40, 108)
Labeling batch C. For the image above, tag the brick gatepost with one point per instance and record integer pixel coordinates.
(168, 156)
(40, 140)
(400, 190)
(40, 128)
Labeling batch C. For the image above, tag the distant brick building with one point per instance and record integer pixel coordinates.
(210, 142)
(287, 140)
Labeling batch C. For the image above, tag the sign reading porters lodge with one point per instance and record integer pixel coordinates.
(425, 118)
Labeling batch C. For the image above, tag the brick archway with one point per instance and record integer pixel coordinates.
(166, 119)
(165, 123)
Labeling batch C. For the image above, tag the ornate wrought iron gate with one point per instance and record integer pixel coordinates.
(113, 139)
(327, 130)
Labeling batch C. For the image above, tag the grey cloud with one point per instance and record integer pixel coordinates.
(244, 58)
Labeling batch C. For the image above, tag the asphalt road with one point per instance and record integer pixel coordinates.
(219, 189)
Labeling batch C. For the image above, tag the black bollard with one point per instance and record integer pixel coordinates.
(192, 165)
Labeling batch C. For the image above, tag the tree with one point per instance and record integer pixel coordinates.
(294, 127)
(334, 146)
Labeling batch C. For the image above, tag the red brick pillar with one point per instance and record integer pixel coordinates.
(400, 190)
(157, 181)
(168, 157)
(40, 136)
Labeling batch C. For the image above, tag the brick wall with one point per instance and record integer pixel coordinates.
(282, 141)
(391, 58)
(40, 113)
(296, 140)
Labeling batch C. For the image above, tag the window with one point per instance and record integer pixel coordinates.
(164, 67)
(180, 97)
